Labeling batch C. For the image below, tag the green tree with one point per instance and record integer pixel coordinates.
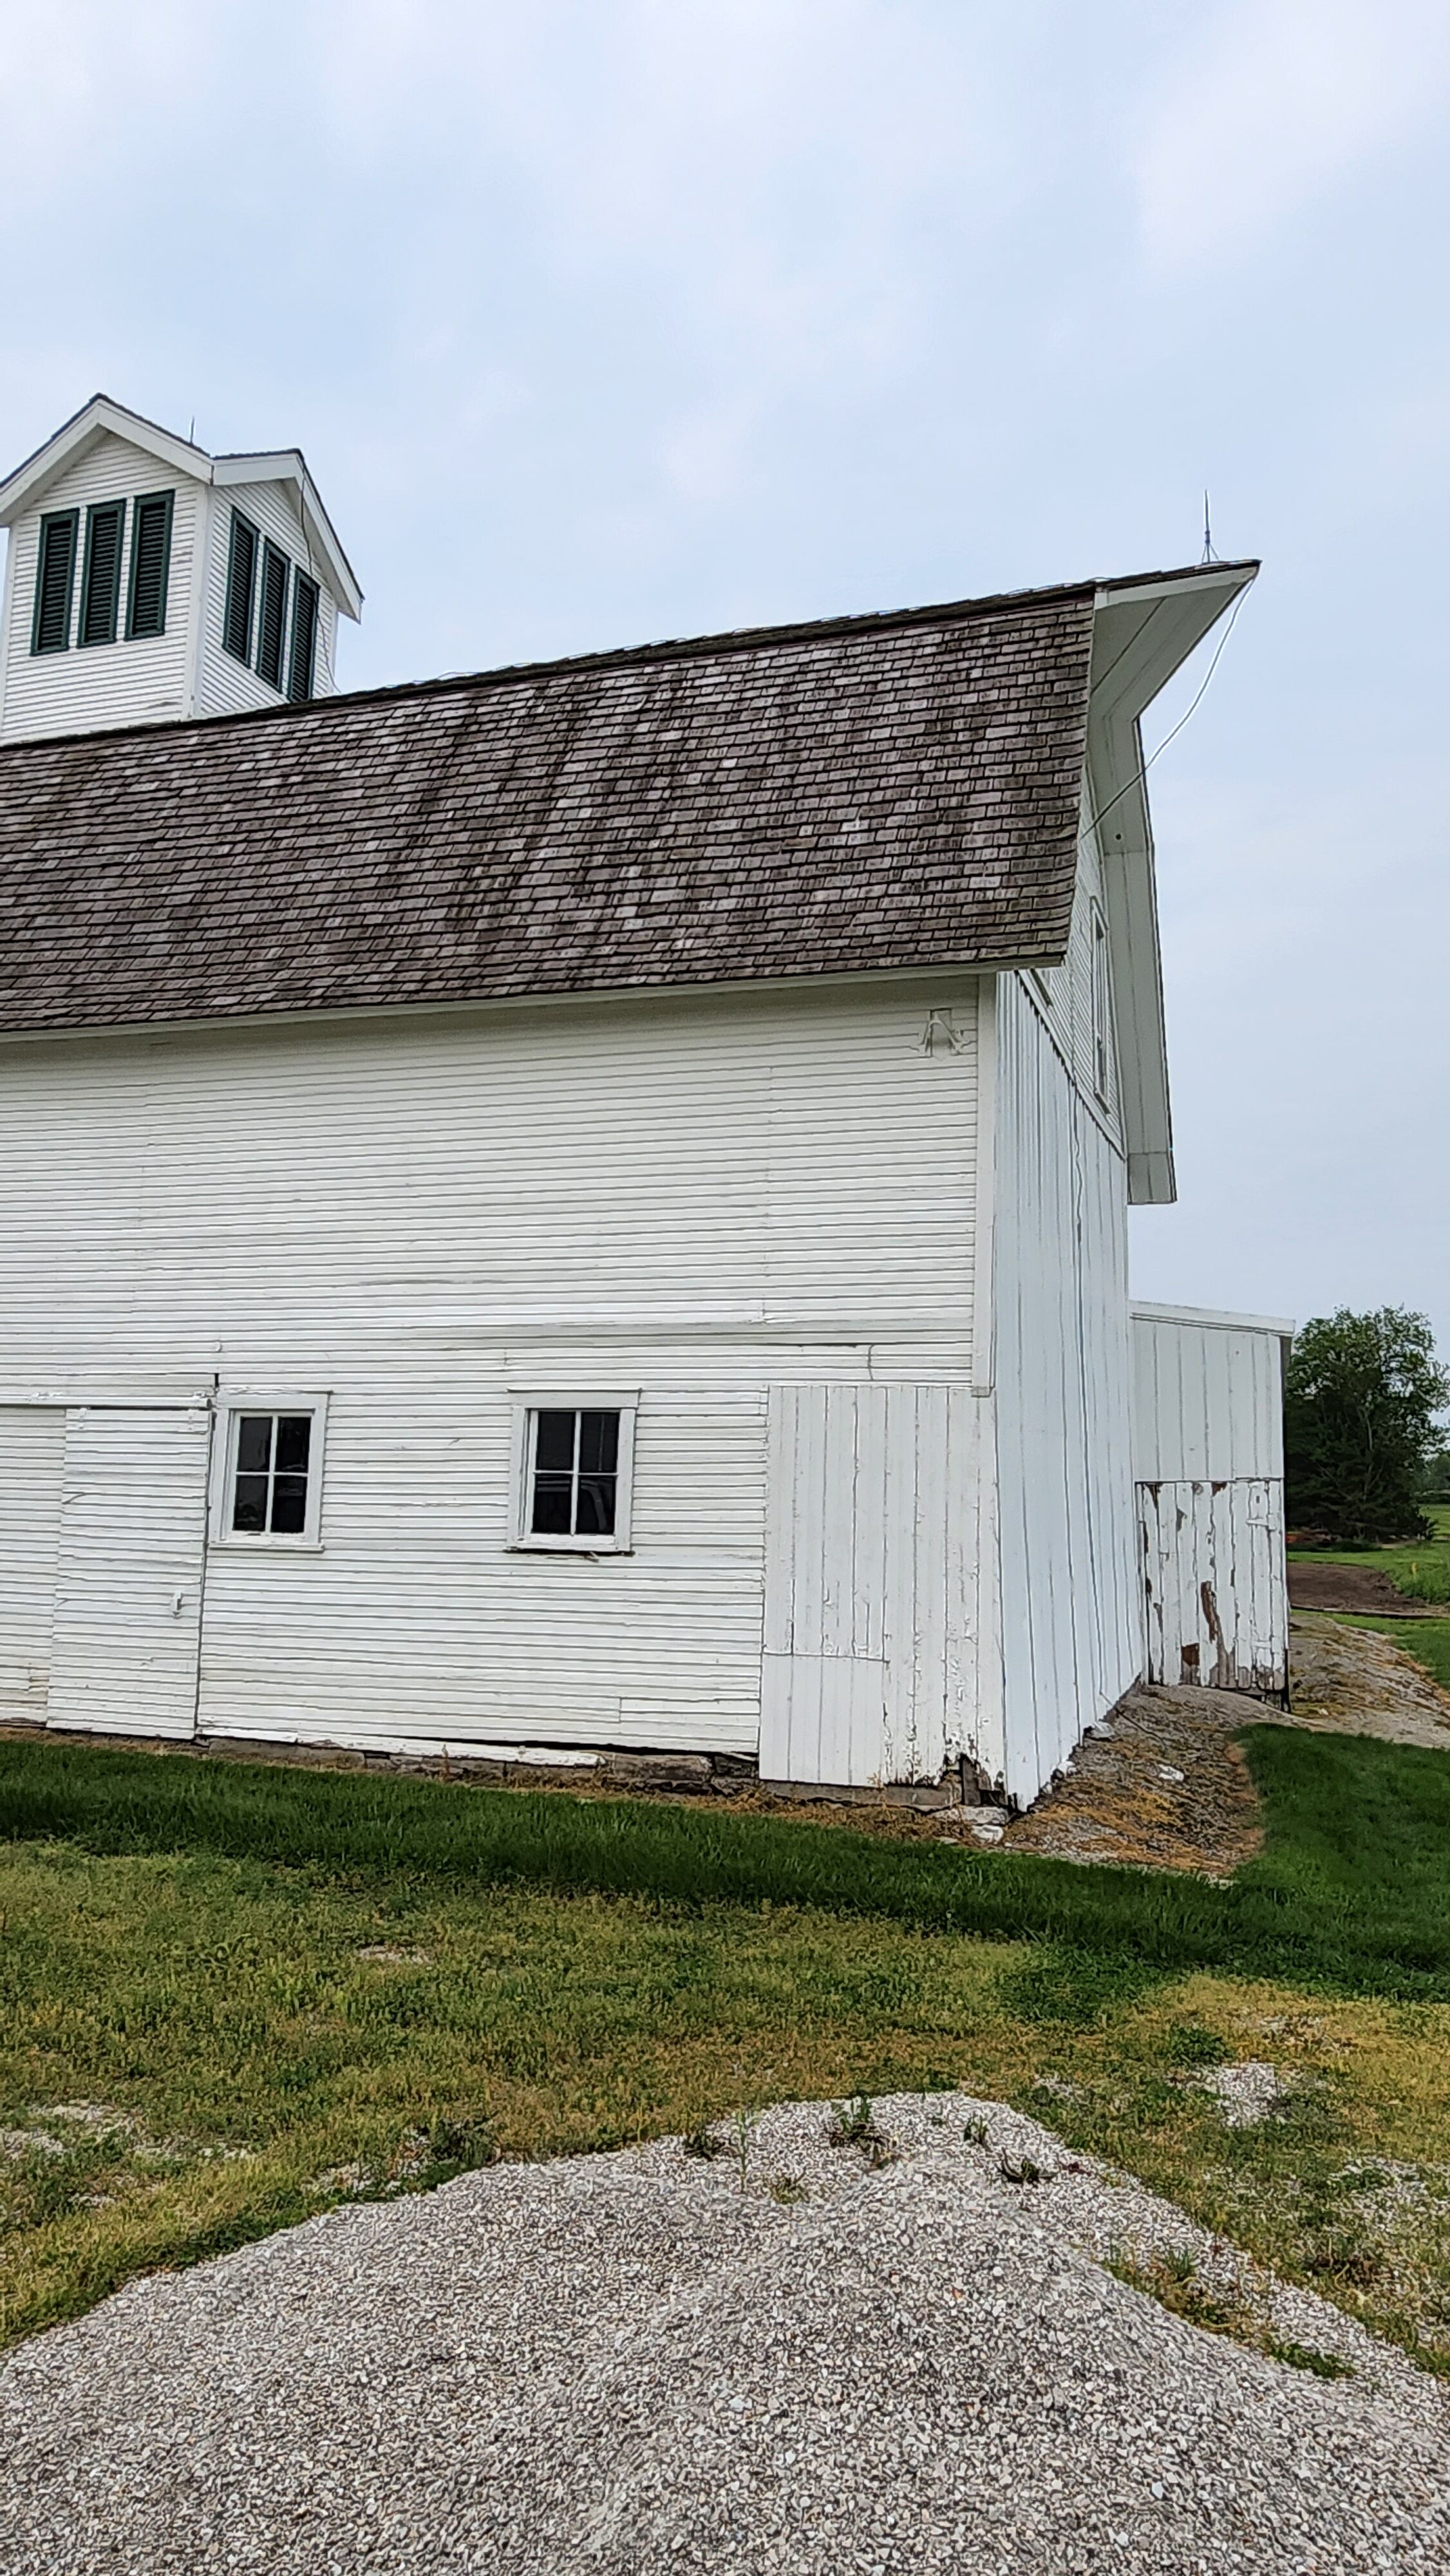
(1360, 1404)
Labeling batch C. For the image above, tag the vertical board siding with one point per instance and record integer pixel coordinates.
(1208, 1398)
(32, 1452)
(1208, 1441)
(704, 1199)
(1213, 1563)
(128, 1581)
(136, 681)
(870, 1583)
(1069, 1594)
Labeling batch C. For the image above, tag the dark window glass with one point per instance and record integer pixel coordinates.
(101, 579)
(303, 661)
(241, 588)
(576, 1474)
(294, 1439)
(254, 1442)
(594, 1513)
(150, 563)
(272, 1459)
(289, 1505)
(555, 1446)
(553, 1506)
(54, 575)
(272, 616)
(598, 1443)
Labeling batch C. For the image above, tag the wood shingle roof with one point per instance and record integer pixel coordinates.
(865, 794)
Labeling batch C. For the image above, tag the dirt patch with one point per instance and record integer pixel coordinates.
(1349, 1681)
(1159, 1785)
(1315, 1584)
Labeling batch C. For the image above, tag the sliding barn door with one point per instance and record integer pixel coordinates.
(128, 1578)
(870, 1585)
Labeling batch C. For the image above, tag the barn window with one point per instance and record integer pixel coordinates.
(1102, 1010)
(272, 616)
(150, 563)
(54, 581)
(101, 578)
(574, 1471)
(301, 667)
(241, 588)
(269, 1490)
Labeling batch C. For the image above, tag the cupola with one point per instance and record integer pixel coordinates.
(148, 581)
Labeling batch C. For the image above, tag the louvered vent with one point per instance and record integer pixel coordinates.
(53, 578)
(272, 623)
(150, 563)
(304, 639)
(101, 581)
(241, 588)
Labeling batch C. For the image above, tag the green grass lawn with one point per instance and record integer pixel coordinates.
(231, 1994)
(1419, 1569)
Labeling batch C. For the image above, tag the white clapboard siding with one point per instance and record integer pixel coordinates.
(32, 1449)
(1217, 1598)
(145, 680)
(870, 1583)
(1071, 1621)
(697, 1197)
(128, 1584)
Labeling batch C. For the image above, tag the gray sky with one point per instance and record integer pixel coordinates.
(608, 319)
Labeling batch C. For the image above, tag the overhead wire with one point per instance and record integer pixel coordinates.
(1140, 774)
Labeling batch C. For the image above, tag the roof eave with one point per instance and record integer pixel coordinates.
(1143, 632)
(289, 465)
(96, 419)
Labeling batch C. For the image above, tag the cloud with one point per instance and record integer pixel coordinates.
(1281, 99)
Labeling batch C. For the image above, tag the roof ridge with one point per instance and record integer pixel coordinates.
(740, 639)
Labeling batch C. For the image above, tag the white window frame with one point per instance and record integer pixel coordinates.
(231, 1404)
(528, 1404)
(1102, 1009)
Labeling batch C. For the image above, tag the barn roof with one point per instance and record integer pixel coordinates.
(872, 792)
(863, 794)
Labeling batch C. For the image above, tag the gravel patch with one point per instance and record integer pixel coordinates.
(1160, 1785)
(1351, 1681)
(1246, 2093)
(785, 2354)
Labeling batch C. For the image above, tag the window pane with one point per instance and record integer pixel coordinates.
(596, 1507)
(598, 1443)
(555, 1445)
(294, 1435)
(254, 1444)
(289, 1505)
(249, 1511)
(552, 1496)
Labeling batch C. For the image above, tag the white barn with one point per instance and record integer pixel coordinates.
(582, 1211)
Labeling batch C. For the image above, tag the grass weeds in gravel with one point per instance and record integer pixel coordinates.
(1426, 1639)
(203, 2038)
